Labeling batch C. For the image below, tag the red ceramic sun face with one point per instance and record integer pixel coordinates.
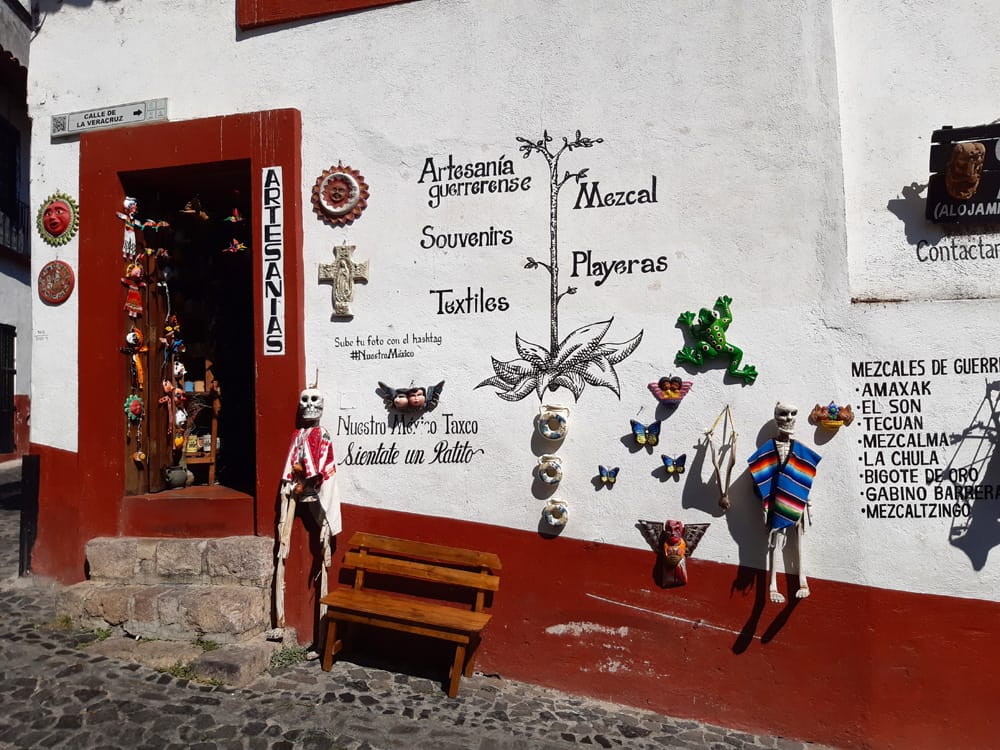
(57, 217)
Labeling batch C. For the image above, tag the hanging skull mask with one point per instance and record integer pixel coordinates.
(784, 417)
(310, 406)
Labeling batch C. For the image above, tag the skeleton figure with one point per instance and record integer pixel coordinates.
(783, 471)
(308, 477)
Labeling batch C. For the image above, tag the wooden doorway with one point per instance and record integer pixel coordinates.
(165, 163)
(193, 238)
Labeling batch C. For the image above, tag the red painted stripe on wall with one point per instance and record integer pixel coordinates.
(851, 666)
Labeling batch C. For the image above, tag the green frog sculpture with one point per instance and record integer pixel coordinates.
(709, 332)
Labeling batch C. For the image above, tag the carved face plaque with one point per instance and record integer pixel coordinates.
(340, 195)
(965, 168)
(58, 219)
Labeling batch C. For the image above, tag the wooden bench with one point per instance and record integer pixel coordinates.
(449, 568)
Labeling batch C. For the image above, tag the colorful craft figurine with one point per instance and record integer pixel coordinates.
(134, 413)
(670, 390)
(646, 434)
(340, 195)
(832, 417)
(674, 465)
(58, 219)
(308, 477)
(134, 280)
(608, 476)
(783, 470)
(709, 333)
(553, 421)
(673, 542)
(135, 344)
(129, 247)
(414, 398)
(156, 237)
(550, 469)
(556, 513)
(234, 247)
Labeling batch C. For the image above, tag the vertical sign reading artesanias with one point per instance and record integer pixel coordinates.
(273, 234)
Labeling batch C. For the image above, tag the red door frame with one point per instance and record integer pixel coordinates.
(82, 494)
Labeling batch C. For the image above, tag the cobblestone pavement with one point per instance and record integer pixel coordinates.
(53, 693)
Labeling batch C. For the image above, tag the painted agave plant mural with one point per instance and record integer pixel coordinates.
(583, 357)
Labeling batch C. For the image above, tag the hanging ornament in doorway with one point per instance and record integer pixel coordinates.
(135, 344)
(58, 219)
(340, 195)
(134, 413)
(129, 248)
(133, 280)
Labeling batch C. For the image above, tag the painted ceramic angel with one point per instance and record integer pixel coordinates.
(414, 398)
(673, 543)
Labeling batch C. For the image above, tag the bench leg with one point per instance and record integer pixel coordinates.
(331, 646)
(470, 661)
(456, 670)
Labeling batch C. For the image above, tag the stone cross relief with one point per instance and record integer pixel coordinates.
(342, 273)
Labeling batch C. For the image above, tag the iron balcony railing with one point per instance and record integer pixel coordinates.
(15, 231)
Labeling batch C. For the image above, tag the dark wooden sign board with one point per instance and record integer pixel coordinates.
(983, 206)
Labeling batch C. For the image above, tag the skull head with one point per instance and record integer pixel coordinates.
(784, 417)
(310, 405)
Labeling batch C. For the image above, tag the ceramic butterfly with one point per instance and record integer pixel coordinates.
(608, 476)
(675, 464)
(646, 434)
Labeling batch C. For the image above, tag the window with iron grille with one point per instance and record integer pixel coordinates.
(13, 211)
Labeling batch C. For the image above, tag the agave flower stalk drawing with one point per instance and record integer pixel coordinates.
(583, 356)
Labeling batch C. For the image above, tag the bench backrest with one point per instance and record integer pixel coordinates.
(433, 563)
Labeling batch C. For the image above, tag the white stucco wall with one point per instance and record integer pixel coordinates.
(735, 110)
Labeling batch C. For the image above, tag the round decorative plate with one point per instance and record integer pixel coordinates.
(340, 195)
(55, 282)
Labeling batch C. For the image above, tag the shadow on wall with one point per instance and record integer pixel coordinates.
(910, 209)
(973, 473)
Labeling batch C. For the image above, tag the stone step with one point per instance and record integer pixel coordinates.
(221, 613)
(237, 560)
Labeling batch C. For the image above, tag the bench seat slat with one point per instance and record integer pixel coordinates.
(406, 610)
(422, 571)
(435, 552)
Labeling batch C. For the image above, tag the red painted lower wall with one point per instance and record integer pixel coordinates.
(851, 666)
